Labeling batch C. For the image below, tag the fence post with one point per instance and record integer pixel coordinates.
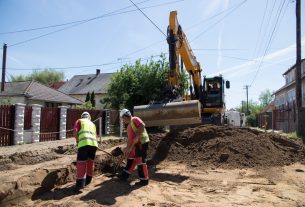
(36, 115)
(63, 122)
(19, 123)
(100, 128)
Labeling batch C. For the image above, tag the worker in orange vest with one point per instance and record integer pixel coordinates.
(137, 146)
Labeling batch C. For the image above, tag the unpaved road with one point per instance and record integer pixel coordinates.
(201, 166)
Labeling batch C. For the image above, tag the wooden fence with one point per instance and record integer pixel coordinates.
(264, 120)
(7, 119)
(49, 124)
(285, 118)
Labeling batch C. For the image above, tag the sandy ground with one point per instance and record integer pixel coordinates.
(174, 184)
(203, 166)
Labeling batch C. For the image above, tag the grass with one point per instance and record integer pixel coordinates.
(292, 135)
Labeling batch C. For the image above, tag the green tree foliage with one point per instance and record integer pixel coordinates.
(46, 76)
(87, 97)
(86, 105)
(265, 97)
(254, 108)
(92, 99)
(138, 84)
(6, 101)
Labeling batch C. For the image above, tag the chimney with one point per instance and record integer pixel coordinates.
(98, 71)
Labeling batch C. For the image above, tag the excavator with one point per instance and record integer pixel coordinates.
(205, 102)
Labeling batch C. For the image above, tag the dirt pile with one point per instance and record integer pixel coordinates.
(225, 147)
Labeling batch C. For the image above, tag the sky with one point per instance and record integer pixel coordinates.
(248, 42)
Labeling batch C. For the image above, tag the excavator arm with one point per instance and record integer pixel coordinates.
(179, 45)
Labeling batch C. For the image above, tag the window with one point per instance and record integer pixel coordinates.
(291, 96)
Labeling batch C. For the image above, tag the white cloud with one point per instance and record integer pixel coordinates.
(251, 66)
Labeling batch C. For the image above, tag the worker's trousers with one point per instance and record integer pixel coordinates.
(138, 158)
(85, 165)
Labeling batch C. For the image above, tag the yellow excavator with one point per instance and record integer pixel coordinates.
(204, 104)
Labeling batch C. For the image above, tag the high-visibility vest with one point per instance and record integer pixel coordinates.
(86, 134)
(144, 135)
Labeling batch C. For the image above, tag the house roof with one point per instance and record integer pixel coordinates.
(82, 84)
(287, 71)
(36, 91)
(268, 108)
(56, 85)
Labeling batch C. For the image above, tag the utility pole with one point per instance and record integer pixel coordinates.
(247, 87)
(298, 76)
(3, 67)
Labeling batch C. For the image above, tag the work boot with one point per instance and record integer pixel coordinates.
(123, 176)
(80, 183)
(142, 183)
(88, 180)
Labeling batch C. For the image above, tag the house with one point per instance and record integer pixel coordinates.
(33, 92)
(286, 94)
(79, 85)
(284, 100)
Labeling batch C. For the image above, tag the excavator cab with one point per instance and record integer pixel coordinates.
(213, 99)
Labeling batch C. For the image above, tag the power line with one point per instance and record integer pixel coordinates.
(269, 42)
(85, 66)
(239, 5)
(260, 28)
(211, 17)
(148, 18)
(91, 19)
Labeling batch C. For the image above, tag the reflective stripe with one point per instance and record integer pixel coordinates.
(92, 139)
(87, 134)
(144, 135)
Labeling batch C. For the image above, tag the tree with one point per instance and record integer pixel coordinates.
(46, 76)
(87, 97)
(86, 105)
(6, 101)
(254, 108)
(265, 98)
(139, 84)
(92, 99)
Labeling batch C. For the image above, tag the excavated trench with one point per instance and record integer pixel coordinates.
(201, 146)
(37, 181)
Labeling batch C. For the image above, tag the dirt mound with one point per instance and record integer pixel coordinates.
(225, 147)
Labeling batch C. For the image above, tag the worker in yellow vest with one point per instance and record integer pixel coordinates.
(137, 146)
(85, 134)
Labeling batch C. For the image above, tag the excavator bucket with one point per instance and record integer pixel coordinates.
(173, 113)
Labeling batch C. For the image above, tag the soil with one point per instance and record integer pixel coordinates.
(196, 166)
(225, 147)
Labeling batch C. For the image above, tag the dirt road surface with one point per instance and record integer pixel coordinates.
(199, 166)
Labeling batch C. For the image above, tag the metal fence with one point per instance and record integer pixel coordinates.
(7, 119)
(27, 117)
(49, 124)
(106, 121)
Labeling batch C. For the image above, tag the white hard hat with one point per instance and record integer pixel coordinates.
(125, 112)
(85, 115)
